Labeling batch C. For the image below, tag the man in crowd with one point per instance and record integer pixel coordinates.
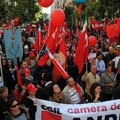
(90, 78)
(73, 91)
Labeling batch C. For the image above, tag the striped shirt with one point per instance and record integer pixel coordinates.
(75, 98)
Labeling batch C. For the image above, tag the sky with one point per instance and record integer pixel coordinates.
(46, 10)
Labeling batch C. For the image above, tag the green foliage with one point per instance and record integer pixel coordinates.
(3, 10)
(26, 9)
(99, 9)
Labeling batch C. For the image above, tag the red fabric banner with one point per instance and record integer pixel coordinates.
(38, 41)
(79, 57)
(61, 58)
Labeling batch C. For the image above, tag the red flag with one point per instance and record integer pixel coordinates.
(90, 19)
(61, 58)
(51, 43)
(106, 22)
(97, 25)
(29, 28)
(85, 30)
(79, 57)
(79, 8)
(112, 32)
(117, 20)
(45, 57)
(58, 66)
(15, 21)
(38, 41)
(18, 76)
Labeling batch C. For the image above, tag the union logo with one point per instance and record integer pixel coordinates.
(60, 58)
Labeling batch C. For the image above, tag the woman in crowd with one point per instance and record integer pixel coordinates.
(57, 95)
(4, 97)
(95, 93)
(12, 74)
(16, 112)
(108, 82)
(30, 100)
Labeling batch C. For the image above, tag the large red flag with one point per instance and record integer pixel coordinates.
(50, 42)
(80, 51)
(112, 32)
(38, 41)
(61, 57)
(18, 76)
(85, 30)
(58, 66)
(117, 20)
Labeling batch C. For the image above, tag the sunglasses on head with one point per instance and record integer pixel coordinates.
(13, 106)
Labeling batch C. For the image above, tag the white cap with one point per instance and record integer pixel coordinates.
(26, 47)
(118, 46)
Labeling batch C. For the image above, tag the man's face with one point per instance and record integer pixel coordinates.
(71, 82)
(24, 64)
(93, 69)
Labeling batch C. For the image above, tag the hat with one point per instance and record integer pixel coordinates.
(31, 87)
(26, 47)
(118, 46)
(31, 54)
(26, 70)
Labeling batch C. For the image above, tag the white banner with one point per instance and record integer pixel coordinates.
(92, 111)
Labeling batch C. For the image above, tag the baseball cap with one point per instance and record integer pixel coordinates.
(31, 54)
(26, 70)
(31, 87)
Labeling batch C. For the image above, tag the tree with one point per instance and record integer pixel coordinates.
(3, 11)
(26, 9)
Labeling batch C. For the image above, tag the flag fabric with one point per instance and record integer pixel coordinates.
(106, 22)
(50, 42)
(117, 21)
(45, 57)
(18, 76)
(29, 29)
(96, 25)
(61, 57)
(15, 21)
(79, 9)
(38, 41)
(13, 44)
(58, 66)
(80, 50)
(85, 30)
(112, 32)
(118, 67)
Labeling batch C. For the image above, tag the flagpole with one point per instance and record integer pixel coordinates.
(86, 66)
(115, 77)
(1, 68)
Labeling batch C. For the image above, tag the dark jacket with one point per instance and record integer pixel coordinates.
(3, 107)
(32, 108)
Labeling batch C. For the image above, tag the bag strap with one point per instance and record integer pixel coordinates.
(109, 77)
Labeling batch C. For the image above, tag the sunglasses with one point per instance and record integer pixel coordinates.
(13, 106)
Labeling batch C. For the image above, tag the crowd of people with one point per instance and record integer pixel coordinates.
(98, 83)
